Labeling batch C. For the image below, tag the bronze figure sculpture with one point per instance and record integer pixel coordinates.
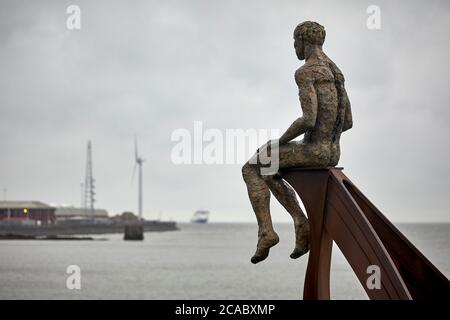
(326, 114)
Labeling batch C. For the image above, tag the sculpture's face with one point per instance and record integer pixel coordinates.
(299, 48)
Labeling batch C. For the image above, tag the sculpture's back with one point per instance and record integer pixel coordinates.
(324, 101)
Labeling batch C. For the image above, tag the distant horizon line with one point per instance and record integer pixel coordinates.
(287, 222)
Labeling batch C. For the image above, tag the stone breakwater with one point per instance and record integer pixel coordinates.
(78, 229)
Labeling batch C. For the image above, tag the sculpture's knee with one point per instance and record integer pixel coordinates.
(267, 178)
(247, 171)
(271, 177)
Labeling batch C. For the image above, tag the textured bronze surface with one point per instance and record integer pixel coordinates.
(326, 114)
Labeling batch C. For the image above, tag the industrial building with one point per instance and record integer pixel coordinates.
(70, 214)
(27, 212)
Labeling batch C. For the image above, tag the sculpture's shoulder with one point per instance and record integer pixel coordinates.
(313, 72)
(339, 76)
(303, 75)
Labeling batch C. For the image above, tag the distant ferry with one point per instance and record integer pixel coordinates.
(200, 216)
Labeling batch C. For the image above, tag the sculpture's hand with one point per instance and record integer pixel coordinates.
(264, 149)
(269, 144)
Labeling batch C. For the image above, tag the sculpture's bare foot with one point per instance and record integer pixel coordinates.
(301, 239)
(265, 242)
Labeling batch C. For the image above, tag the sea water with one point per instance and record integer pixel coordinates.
(210, 261)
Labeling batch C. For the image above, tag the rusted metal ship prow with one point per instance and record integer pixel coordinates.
(339, 212)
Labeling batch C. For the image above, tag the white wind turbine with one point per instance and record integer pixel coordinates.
(138, 163)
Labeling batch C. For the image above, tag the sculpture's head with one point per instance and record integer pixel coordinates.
(308, 33)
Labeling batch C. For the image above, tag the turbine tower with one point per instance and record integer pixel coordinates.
(138, 163)
(89, 188)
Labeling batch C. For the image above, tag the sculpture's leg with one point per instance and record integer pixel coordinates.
(294, 154)
(259, 195)
(288, 199)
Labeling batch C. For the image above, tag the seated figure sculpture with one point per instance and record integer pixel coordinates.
(326, 114)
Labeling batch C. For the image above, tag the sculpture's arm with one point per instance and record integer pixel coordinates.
(348, 120)
(308, 101)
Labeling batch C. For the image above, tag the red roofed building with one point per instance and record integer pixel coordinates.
(32, 211)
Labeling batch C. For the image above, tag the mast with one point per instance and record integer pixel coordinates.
(89, 187)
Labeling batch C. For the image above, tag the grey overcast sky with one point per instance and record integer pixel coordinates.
(150, 67)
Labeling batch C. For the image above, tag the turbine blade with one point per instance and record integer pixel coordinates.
(135, 148)
(134, 171)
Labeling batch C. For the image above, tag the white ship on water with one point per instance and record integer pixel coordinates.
(200, 216)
